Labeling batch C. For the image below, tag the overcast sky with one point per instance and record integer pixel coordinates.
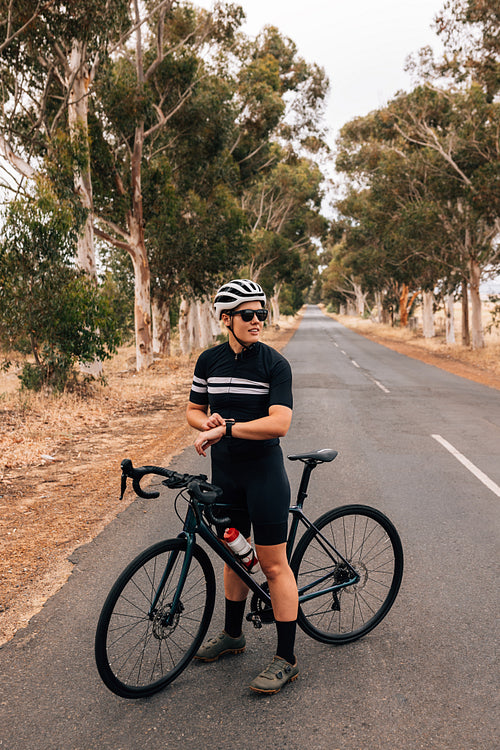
(362, 44)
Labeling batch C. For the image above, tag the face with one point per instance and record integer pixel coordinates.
(250, 332)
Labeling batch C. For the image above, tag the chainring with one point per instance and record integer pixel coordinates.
(259, 607)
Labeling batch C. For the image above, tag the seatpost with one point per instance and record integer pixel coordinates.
(304, 481)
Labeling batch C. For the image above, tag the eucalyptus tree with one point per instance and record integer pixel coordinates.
(283, 210)
(49, 55)
(201, 131)
(469, 31)
(437, 153)
(455, 135)
(140, 95)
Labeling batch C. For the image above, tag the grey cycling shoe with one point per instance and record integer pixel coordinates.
(221, 644)
(274, 676)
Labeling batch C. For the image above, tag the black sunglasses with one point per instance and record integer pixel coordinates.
(247, 315)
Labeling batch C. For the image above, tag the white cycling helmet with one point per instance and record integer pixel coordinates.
(235, 292)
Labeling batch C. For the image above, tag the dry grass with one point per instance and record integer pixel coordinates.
(57, 453)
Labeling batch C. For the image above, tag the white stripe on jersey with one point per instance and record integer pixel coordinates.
(234, 389)
(198, 388)
(237, 381)
(217, 385)
(199, 381)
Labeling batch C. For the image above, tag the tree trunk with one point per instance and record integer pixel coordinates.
(476, 306)
(137, 250)
(428, 314)
(204, 320)
(189, 333)
(275, 304)
(378, 305)
(403, 305)
(198, 326)
(351, 308)
(184, 339)
(78, 81)
(161, 327)
(465, 314)
(360, 299)
(79, 76)
(450, 318)
(142, 298)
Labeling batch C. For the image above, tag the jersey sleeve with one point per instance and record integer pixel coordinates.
(280, 391)
(199, 387)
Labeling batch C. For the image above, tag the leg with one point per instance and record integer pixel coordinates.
(236, 594)
(282, 584)
(234, 588)
(231, 640)
(284, 597)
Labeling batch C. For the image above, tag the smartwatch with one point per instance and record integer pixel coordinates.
(229, 427)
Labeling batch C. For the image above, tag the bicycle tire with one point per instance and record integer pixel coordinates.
(368, 540)
(137, 654)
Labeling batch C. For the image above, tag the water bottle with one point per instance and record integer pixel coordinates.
(242, 549)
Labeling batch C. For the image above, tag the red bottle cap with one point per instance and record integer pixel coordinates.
(231, 534)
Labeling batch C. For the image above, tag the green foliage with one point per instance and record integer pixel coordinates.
(48, 308)
(424, 192)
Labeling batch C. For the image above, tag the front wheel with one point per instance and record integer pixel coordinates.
(139, 649)
(371, 545)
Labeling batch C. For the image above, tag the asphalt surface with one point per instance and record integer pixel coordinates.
(426, 677)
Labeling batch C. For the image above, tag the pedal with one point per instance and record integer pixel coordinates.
(255, 619)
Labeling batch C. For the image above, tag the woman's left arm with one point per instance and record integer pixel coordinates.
(276, 424)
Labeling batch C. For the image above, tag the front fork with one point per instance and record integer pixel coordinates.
(176, 601)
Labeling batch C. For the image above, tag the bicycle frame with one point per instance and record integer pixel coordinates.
(194, 524)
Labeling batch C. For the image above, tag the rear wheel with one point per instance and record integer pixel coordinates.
(370, 543)
(138, 651)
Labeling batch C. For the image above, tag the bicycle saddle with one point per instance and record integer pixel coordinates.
(325, 454)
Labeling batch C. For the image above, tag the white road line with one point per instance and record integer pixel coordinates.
(382, 387)
(490, 484)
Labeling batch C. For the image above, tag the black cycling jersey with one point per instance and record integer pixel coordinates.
(242, 386)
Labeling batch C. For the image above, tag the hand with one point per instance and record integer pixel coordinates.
(209, 438)
(214, 420)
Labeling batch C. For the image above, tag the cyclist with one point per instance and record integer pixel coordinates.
(241, 402)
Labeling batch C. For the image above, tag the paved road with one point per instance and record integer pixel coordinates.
(425, 678)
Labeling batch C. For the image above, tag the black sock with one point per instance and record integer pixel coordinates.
(234, 617)
(286, 640)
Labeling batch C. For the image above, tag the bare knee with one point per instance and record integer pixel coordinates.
(271, 570)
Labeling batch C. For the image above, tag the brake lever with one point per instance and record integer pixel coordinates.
(123, 485)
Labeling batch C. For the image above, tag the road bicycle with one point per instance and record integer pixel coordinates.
(348, 565)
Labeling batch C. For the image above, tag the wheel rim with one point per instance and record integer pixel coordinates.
(353, 610)
(144, 649)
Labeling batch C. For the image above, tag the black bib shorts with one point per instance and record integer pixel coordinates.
(257, 490)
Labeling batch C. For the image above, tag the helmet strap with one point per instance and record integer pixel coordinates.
(240, 342)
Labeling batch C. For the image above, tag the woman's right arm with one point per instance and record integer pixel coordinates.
(197, 417)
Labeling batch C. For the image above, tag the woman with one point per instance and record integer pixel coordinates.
(246, 386)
